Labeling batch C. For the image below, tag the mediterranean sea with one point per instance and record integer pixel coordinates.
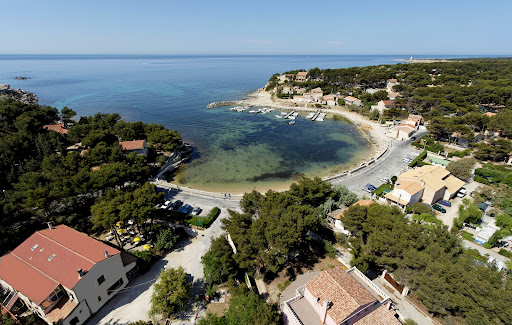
(234, 152)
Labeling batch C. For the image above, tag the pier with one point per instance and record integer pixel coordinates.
(315, 116)
(289, 114)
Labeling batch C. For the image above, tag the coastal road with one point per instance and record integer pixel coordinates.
(391, 164)
(133, 303)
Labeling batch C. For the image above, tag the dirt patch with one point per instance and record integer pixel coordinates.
(219, 308)
(287, 276)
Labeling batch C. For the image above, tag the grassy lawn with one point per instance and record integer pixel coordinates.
(467, 236)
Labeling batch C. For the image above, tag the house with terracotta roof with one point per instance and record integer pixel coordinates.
(59, 128)
(64, 275)
(140, 147)
(385, 104)
(338, 297)
(427, 184)
(349, 100)
(301, 76)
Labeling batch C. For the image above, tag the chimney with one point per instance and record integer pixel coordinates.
(80, 273)
(50, 225)
(326, 307)
(106, 254)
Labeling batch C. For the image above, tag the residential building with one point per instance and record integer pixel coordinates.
(384, 105)
(64, 275)
(59, 128)
(435, 181)
(138, 146)
(390, 84)
(337, 297)
(349, 100)
(417, 118)
(490, 114)
(301, 76)
(436, 161)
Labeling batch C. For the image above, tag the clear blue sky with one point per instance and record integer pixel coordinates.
(256, 27)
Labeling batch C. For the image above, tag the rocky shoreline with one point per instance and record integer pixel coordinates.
(23, 96)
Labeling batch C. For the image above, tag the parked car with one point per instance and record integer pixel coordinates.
(196, 211)
(185, 209)
(413, 138)
(176, 204)
(384, 179)
(445, 203)
(439, 208)
(469, 225)
(166, 204)
(462, 192)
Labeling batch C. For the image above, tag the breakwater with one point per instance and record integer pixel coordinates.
(224, 103)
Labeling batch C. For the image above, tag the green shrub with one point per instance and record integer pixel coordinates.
(505, 253)
(467, 236)
(419, 158)
(205, 221)
(460, 154)
(145, 259)
(481, 180)
(381, 189)
(330, 250)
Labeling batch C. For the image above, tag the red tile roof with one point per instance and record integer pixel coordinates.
(132, 145)
(388, 102)
(59, 128)
(71, 251)
(340, 288)
(26, 279)
(380, 316)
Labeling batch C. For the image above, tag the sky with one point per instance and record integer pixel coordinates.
(256, 27)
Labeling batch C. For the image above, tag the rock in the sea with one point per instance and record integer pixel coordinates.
(21, 78)
(17, 94)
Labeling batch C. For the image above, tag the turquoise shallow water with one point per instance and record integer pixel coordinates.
(234, 151)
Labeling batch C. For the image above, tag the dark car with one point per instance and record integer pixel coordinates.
(186, 208)
(439, 208)
(445, 203)
(176, 204)
(413, 138)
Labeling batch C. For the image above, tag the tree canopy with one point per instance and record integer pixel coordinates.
(171, 292)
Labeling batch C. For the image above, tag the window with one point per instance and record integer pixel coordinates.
(51, 257)
(99, 298)
(115, 286)
(101, 279)
(35, 246)
(74, 321)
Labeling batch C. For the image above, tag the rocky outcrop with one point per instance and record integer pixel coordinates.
(224, 103)
(17, 94)
(21, 78)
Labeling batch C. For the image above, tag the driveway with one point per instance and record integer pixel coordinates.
(133, 303)
(484, 251)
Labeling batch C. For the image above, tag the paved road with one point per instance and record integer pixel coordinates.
(390, 165)
(484, 251)
(133, 304)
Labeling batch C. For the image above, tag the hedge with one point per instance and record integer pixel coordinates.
(481, 180)
(205, 221)
(460, 154)
(381, 189)
(435, 147)
(418, 159)
(505, 253)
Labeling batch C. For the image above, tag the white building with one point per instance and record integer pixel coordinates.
(64, 275)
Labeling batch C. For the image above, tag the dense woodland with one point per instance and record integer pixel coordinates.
(451, 95)
(276, 229)
(42, 180)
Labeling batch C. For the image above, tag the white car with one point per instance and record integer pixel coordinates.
(384, 179)
(462, 192)
(166, 205)
(195, 211)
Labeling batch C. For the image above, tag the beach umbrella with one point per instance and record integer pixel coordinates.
(146, 247)
(120, 231)
(118, 224)
(136, 239)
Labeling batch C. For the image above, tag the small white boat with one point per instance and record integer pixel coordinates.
(310, 116)
(291, 122)
(291, 117)
(279, 116)
(284, 113)
(253, 111)
(320, 117)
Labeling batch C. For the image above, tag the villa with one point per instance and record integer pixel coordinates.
(336, 297)
(301, 76)
(349, 100)
(427, 184)
(138, 146)
(63, 275)
(59, 128)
